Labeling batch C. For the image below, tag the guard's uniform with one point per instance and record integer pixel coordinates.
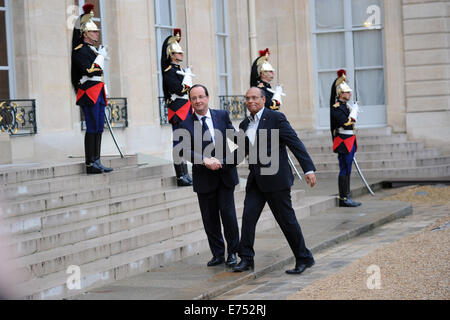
(88, 83)
(342, 125)
(91, 95)
(260, 65)
(270, 102)
(176, 93)
(344, 139)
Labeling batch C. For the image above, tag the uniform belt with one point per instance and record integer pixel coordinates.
(347, 132)
(86, 78)
(174, 96)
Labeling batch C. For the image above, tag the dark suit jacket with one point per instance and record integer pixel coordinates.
(283, 179)
(204, 179)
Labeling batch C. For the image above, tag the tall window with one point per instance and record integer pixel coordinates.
(348, 34)
(223, 46)
(165, 22)
(6, 54)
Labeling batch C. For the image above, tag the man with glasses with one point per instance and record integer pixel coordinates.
(214, 180)
(274, 189)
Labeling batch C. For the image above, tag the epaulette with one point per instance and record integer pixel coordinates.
(168, 68)
(79, 47)
(336, 105)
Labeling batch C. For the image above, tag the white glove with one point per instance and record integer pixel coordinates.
(188, 75)
(102, 50)
(278, 94)
(102, 55)
(354, 110)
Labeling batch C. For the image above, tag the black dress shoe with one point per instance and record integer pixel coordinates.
(244, 265)
(299, 268)
(215, 261)
(232, 260)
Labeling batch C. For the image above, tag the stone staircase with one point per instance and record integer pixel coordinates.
(381, 154)
(112, 226)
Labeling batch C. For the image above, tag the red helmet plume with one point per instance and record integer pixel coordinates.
(88, 7)
(262, 53)
(341, 72)
(177, 32)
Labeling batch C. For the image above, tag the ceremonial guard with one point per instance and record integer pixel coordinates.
(343, 116)
(261, 76)
(88, 63)
(176, 85)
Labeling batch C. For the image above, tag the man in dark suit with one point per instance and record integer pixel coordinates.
(213, 179)
(272, 188)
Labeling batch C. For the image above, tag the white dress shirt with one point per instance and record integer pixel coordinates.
(209, 122)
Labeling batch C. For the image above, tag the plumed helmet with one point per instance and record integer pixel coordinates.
(339, 86)
(260, 65)
(170, 46)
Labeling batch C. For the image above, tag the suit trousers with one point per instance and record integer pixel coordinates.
(216, 206)
(281, 206)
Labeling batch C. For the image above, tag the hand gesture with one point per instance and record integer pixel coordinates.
(212, 164)
(278, 94)
(102, 50)
(354, 110)
(188, 75)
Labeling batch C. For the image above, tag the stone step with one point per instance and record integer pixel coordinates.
(419, 172)
(131, 262)
(402, 146)
(50, 238)
(367, 140)
(379, 155)
(39, 221)
(22, 190)
(433, 161)
(87, 194)
(30, 172)
(385, 164)
(333, 165)
(361, 132)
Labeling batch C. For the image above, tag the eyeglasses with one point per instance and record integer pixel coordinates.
(252, 98)
(198, 98)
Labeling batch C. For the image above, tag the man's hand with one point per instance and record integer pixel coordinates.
(311, 179)
(212, 164)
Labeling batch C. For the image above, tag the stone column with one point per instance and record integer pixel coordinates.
(426, 28)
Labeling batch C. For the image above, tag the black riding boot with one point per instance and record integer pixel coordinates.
(89, 151)
(98, 148)
(182, 181)
(186, 172)
(344, 201)
(356, 204)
